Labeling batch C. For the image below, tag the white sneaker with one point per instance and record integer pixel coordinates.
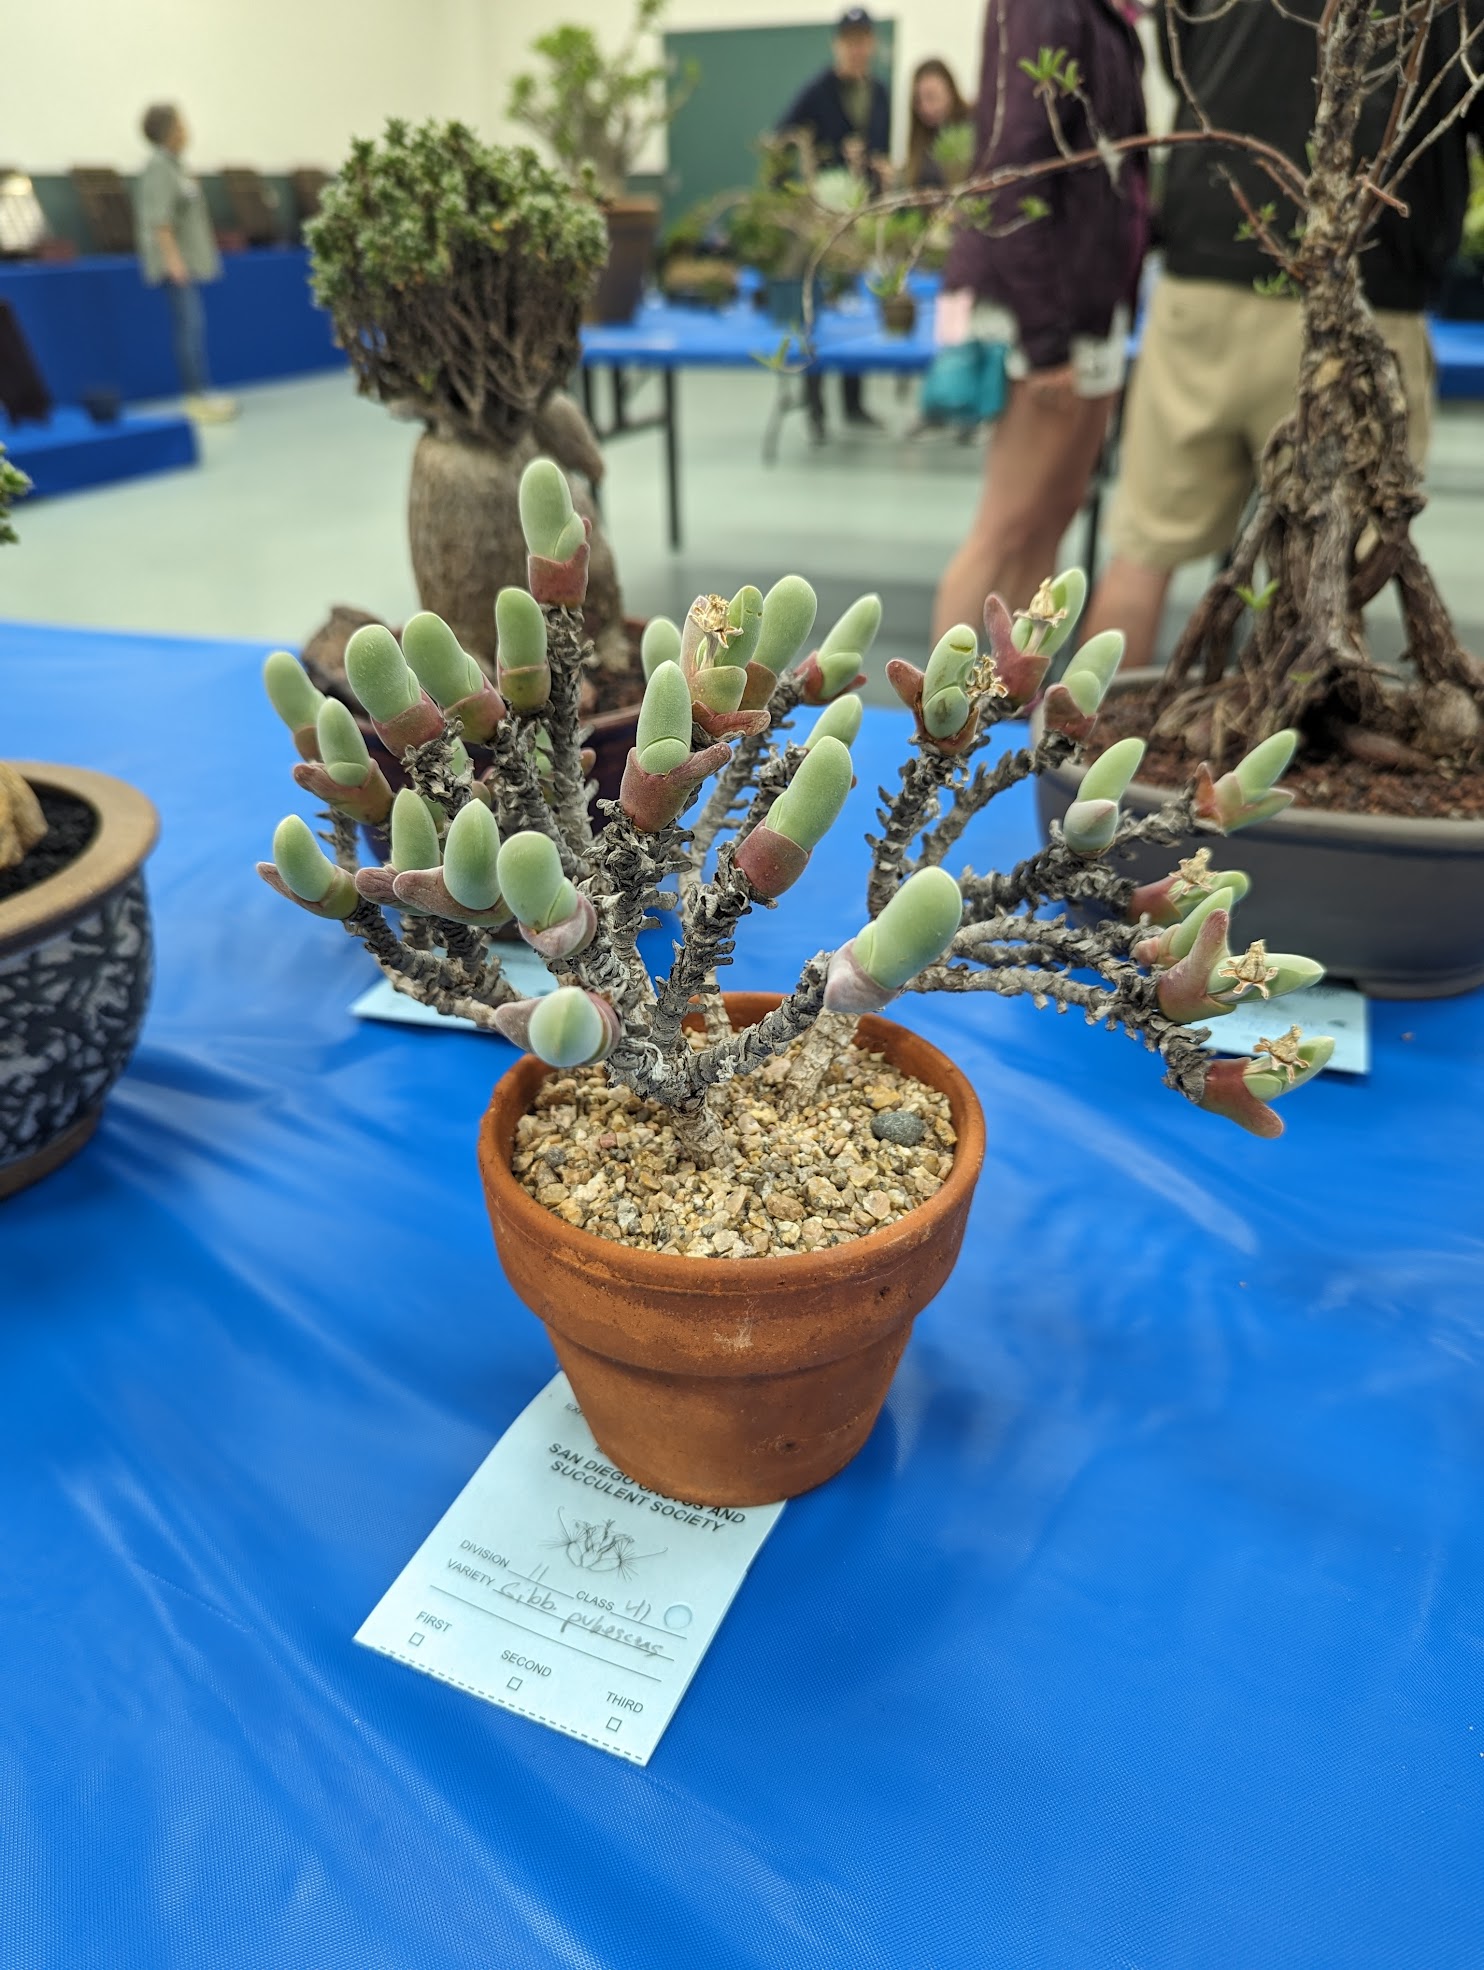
(211, 410)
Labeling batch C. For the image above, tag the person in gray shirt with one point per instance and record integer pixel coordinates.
(177, 250)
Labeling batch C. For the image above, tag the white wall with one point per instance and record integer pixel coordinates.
(278, 83)
(274, 83)
(950, 29)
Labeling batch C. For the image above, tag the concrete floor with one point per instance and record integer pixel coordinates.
(301, 504)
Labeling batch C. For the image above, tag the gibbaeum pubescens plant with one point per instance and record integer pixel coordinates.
(495, 825)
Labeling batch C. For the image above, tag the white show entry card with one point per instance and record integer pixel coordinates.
(558, 1589)
(382, 1000)
(1338, 1010)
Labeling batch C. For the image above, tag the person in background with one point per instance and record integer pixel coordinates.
(177, 250)
(936, 106)
(847, 112)
(1059, 290)
(1218, 363)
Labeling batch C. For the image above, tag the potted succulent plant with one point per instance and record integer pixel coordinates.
(75, 947)
(596, 112)
(1382, 854)
(795, 226)
(791, 1163)
(455, 273)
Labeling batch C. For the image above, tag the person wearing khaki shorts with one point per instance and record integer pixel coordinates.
(1217, 373)
(1218, 362)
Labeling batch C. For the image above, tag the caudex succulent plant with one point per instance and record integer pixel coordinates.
(473, 849)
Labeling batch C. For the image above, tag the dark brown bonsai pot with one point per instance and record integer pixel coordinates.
(732, 1381)
(1395, 905)
(633, 226)
(898, 313)
(76, 963)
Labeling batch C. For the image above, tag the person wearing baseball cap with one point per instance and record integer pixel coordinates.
(846, 109)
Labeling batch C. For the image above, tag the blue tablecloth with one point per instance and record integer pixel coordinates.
(663, 335)
(93, 325)
(1148, 1630)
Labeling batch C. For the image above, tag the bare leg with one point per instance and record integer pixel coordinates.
(1129, 597)
(1035, 478)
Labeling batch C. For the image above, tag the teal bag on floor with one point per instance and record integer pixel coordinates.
(966, 384)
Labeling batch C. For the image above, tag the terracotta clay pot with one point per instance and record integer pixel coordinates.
(1393, 905)
(75, 971)
(732, 1381)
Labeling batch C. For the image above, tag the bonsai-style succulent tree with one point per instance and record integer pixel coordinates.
(456, 274)
(516, 844)
(1278, 639)
(596, 110)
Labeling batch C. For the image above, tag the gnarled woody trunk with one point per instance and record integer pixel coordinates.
(1338, 491)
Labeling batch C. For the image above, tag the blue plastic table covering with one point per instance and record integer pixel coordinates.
(1147, 1630)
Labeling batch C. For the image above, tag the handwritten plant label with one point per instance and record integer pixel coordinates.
(1338, 1010)
(556, 1588)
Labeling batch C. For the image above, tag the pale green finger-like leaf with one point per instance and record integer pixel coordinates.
(808, 807)
(306, 869)
(663, 737)
(914, 930)
(1266, 764)
(839, 720)
(439, 661)
(379, 674)
(290, 692)
(414, 833)
(545, 507)
(660, 644)
(745, 614)
(1090, 826)
(566, 1028)
(532, 882)
(340, 742)
(1068, 594)
(789, 609)
(1109, 775)
(1184, 934)
(856, 629)
(520, 630)
(471, 852)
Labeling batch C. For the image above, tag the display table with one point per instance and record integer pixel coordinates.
(93, 325)
(1146, 1630)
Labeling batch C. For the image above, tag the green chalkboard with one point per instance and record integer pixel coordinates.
(748, 78)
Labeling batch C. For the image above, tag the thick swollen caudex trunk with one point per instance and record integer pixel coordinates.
(463, 522)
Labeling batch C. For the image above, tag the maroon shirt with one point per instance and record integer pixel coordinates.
(1063, 275)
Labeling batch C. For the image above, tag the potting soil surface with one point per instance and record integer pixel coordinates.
(1346, 786)
(70, 826)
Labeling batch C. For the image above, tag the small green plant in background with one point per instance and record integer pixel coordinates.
(14, 485)
(596, 110)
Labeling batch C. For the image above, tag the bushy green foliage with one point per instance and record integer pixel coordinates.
(456, 272)
(13, 484)
(596, 110)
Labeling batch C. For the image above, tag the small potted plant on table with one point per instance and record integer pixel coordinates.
(596, 112)
(728, 1208)
(75, 945)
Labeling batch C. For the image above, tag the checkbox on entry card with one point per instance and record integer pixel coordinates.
(615, 1723)
(514, 1683)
